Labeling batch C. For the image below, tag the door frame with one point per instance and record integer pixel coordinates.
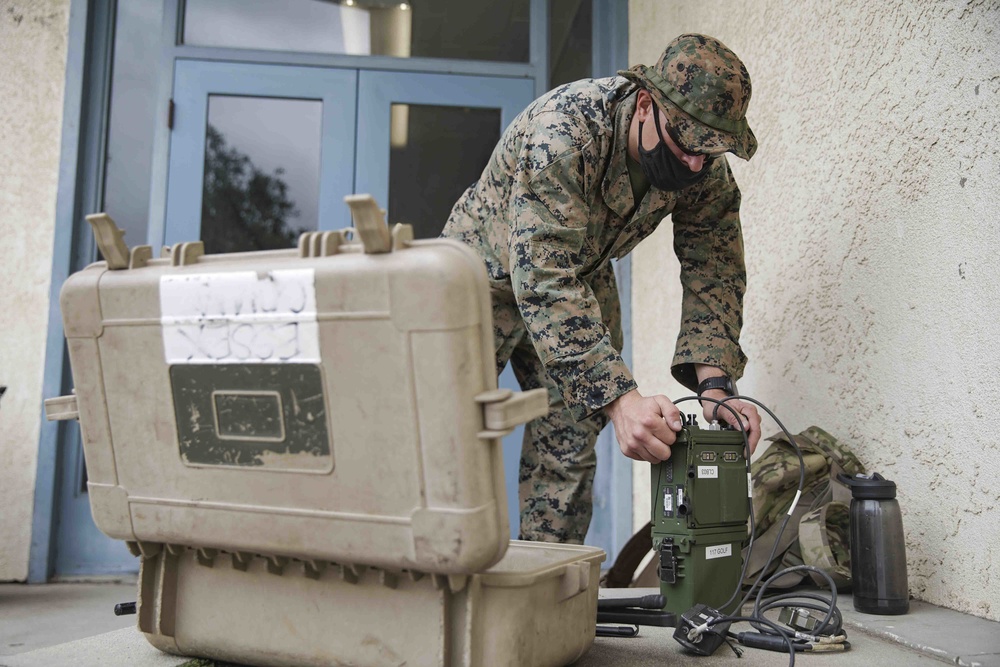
(86, 104)
(86, 112)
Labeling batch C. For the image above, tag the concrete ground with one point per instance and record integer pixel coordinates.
(73, 624)
(33, 617)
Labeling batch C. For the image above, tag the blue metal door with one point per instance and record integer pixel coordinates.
(81, 549)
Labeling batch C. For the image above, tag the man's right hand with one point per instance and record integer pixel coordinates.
(645, 426)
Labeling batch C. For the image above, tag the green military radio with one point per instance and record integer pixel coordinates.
(700, 510)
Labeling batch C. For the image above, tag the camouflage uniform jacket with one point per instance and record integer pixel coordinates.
(555, 205)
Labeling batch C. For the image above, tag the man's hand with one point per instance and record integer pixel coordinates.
(747, 411)
(645, 426)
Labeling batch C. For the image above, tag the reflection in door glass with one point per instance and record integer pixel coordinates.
(462, 29)
(262, 163)
(436, 153)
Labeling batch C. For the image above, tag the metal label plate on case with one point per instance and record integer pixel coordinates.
(268, 416)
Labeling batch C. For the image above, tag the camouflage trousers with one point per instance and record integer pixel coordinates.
(558, 458)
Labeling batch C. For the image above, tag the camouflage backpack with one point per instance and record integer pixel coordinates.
(817, 533)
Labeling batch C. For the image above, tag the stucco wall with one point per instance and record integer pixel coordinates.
(872, 231)
(33, 37)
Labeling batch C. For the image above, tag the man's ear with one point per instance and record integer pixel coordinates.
(644, 106)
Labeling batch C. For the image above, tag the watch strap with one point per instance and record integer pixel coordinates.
(718, 382)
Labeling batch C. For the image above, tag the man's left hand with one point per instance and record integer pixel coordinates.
(747, 412)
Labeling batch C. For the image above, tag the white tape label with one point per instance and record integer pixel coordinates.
(708, 472)
(720, 551)
(240, 318)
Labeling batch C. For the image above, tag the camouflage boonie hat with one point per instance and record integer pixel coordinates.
(704, 90)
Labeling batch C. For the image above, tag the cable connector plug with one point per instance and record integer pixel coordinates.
(770, 642)
(701, 629)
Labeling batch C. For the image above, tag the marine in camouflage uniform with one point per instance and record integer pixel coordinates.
(555, 205)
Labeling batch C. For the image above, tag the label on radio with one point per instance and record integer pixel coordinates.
(668, 502)
(708, 472)
(720, 551)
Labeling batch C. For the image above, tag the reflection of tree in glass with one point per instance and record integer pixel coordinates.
(243, 208)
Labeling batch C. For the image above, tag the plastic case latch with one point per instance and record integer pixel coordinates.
(184, 254)
(668, 561)
(110, 241)
(62, 407)
(505, 410)
(369, 222)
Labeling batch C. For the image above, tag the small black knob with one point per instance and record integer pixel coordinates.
(124, 608)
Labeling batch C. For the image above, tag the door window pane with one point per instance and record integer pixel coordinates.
(436, 153)
(570, 41)
(262, 162)
(461, 29)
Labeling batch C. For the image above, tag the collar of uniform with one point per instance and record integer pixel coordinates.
(654, 200)
(617, 189)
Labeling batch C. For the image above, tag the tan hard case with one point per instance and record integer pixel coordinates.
(304, 448)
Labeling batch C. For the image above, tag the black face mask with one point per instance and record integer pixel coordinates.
(662, 168)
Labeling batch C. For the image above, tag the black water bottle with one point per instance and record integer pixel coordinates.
(878, 549)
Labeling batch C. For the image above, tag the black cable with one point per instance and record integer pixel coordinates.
(779, 631)
(796, 600)
(802, 483)
(832, 622)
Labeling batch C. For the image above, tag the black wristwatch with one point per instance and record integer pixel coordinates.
(718, 382)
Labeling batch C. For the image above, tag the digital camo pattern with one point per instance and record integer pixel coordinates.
(558, 460)
(552, 208)
(704, 89)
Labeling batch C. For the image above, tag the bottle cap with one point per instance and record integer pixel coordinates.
(869, 487)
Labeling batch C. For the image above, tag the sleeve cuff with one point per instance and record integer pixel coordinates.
(731, 361)
(590, 381)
